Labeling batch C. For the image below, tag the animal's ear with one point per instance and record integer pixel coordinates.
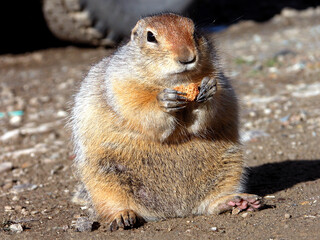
(135, 31)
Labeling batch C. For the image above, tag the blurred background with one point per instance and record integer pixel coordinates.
(38, 24)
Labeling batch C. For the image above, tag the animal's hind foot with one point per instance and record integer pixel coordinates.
(236, 203)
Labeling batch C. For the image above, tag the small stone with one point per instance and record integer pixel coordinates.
(62, 114)
(252, 114)
(236, 211)
(56, 169)
(45, 211)
(248, 125)
(15, 198)
(34, 101)
(17, 173)
(8, 208)
(24, 212)
(270, 196)
(5, 166)
(252, 135)
(287, 216)
(83, 224)
(15, 121)
(273, 69)
(257, 38)
(214, 229)
(22, 187)
(244, 215)
(34, 212)
(267, 111)
(65, 227)
(280, 152)
(44, 99)
(16, 228)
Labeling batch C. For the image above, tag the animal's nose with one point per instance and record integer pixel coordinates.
(186, 56)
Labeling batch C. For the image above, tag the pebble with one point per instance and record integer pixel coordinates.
(287, 216)
(253, 135)
(56, 169)
(62, 114)
(215, 229)
(22, 187)
(45, 211)
(24, 212)
(270, 196)
(235, 211)
(15, 121)
(296, 67)
(248, 125)
(273, 69)
(252, 114)
(34, 212)
(5, 166)
(16, 228)
(34, 101)
(8, 208)
(15, 198)
(65, 227)
(44, 99)
(83, 224)
(244, 215)
(267, 111)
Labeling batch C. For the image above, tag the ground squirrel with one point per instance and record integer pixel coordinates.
(145, 153)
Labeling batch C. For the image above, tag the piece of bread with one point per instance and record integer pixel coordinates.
(192, 91)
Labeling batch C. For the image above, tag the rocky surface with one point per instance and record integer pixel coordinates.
(275, 67)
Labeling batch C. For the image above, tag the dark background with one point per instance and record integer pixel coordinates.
(24, 28)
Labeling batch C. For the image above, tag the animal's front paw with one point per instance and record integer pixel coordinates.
(125, 219)
(171, 100)
(208, 88)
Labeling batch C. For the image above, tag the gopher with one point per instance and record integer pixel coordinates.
(145, 153)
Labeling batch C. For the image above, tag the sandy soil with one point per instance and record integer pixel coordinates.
(275, 67)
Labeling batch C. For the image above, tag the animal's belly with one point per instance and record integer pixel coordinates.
(173, 181)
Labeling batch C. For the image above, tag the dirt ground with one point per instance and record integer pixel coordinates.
(275, 67)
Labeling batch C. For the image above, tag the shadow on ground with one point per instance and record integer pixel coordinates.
(273, 177)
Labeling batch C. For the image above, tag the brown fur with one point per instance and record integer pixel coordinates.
(133, 157)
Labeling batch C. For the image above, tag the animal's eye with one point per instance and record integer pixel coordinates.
(151, 37)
